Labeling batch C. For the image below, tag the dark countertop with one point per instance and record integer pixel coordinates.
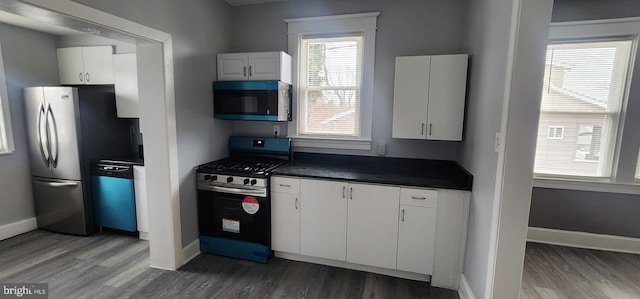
(130, 159)
(381, 170)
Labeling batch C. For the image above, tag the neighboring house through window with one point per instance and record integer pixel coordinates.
(583, 93)
(333, 67)
(6, 135)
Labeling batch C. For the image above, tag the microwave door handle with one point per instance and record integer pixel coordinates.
(41, 142)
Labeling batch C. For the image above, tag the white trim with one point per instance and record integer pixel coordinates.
(190, 251)
(587, 186)
(331, 143)
(465, 291)
(366, 23)
(347, 265)
(13, 229)
(143, 235)
(593, 28)
(7, 135)
(583, 240)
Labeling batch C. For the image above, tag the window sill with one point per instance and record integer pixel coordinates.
(333, 143)
(582, 185)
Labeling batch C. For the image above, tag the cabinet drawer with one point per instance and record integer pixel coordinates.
(419, 197)
(285, 185)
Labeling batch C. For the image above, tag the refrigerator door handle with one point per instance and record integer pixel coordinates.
(53, 136)
(56, 184)
(44, 152)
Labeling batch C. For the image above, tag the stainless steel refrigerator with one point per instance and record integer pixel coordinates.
(67, 128)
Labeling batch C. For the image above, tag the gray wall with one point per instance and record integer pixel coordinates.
(84, 40)
(200, 29)
(405, 27)
(29, 60)
(487, 42)
(597, 212)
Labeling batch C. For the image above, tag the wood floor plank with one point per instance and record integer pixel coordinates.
(107, 265)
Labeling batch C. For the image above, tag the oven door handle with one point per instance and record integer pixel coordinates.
(239, 191)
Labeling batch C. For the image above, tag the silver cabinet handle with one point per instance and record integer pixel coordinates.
(422, 130)
(285, 185)
(41, 142)
(296, 204)
(402, 215)
(418, 198)
(244, 71)
(344, 189)
(351, 193)
(430, 126)
(87, 77)
(250, 73)
(81, 77)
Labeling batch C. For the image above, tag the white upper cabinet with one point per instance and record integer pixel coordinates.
(429, 97)
(126, 85)
(254, 66)
(85, 65)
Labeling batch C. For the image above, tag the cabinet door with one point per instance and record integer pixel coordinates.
(233, 66)
(372, 230)
(410, 93)
(264, 66)
(447, 92)
(70, 66)
(98, 64)
(416, 239)
(126, 85)
(323, 219)
(285, 222)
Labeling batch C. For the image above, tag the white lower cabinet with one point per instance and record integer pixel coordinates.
(416, 237)
(372, 225)
(404, 232)
(323, 219)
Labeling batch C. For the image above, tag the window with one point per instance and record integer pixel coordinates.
(333, 59)
(555, 132)
(6, 135)
(330, 77)
(584, 89)
(637, 176)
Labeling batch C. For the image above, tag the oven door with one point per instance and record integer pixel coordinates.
(234, 216)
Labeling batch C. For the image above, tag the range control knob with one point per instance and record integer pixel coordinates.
(246, 181)
(230, 179)
(214, 177)
(253, 182)
(207, 177)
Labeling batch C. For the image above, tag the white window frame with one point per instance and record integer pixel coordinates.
(620, 181)
(364, 24)
(6, 131)
(555, 132)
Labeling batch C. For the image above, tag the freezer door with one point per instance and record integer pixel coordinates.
(39, 154)
(62, 116)
(60, 206)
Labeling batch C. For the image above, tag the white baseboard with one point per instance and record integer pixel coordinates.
(143, 235)
(13, 229)
(583, 240)
(465, 291)
(190, 251)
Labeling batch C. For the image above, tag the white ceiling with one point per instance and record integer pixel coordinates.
(36, 25)
(248, 2)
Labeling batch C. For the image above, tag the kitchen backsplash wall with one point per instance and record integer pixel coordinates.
(440, 25)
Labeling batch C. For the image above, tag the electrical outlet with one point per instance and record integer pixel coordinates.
(276, 131)
(498, 143)
(382, 149)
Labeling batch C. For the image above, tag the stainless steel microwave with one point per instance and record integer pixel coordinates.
(252, 100)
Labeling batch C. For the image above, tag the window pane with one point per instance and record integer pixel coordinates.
(330, 101)
(583, 90)
(638, 167)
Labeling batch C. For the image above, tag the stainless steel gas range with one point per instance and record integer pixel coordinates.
(234, 207)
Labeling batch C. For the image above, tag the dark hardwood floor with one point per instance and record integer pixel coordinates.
(107, 265)
(552, 271)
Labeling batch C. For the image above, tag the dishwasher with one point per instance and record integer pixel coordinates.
(113, 196)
